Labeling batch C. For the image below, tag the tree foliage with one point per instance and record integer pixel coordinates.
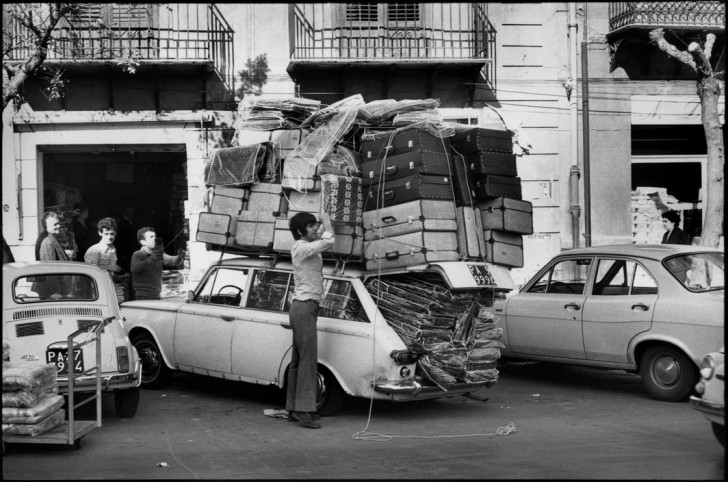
(708, 89)
(254, 76)
(31, 33)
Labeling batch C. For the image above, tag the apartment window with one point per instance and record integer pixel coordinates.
(362, 12)
(403, 12)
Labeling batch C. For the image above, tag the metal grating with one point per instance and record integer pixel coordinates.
(29, 329)
(701, 14)
(59, 311)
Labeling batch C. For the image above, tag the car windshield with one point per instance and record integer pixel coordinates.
(699, 271)
(54, 287)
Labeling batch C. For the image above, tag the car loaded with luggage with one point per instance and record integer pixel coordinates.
(427, 215)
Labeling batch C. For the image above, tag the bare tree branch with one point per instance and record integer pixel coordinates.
(709, 41)
(658, 37)
(703, 66)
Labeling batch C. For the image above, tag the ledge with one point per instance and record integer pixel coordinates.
(26, 117)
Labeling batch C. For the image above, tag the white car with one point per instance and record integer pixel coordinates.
(45, 301)
(651, 309)
(711, 388)
(235, 325)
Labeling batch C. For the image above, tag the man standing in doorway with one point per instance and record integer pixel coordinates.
(308, 287)
(147, 265)
(674, 235)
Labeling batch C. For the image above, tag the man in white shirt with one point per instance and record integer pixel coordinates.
(308, 287)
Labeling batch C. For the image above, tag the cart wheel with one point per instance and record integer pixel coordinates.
(77, 444)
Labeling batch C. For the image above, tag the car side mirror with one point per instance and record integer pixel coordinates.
(190, 296)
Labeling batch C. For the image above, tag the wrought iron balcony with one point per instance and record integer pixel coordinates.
(703, 15)
(145, 33)
(370, 33)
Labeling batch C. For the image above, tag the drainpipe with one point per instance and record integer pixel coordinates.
(585, 117)
(574, 174)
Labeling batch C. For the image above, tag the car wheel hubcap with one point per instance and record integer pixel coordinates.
(666, 371)
(320, 388)
(150, 362)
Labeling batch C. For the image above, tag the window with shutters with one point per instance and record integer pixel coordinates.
(362, 12)
(403, 12)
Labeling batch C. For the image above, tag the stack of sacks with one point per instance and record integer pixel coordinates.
(648, 204)
(264, 113)
(31, 404)
(453, 334)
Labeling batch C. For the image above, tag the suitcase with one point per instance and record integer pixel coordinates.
(481, 139)
(304, 201)
(504, 248)
(342, 198)
(255, 229)
(235, 166)
(509, 215)
(265, 197)
(471, 240)
(271, 169)
(491, 186)
(410, 217)
(415, 162)
(407, 189)
(228, 200)
(217, 229)
(401, 141)
(489, 162)
(348, 240)
(411, 249)
(300, 175)
(463, 183)
(286, 140)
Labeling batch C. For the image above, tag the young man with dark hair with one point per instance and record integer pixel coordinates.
(147, 265)
(103, 253)
(308, 281)
(674, 235)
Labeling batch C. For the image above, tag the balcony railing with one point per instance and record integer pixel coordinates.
(154, 33)
(435, 32)
(704, 15)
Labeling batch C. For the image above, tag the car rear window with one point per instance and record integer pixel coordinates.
(55, 287)
(698, 271)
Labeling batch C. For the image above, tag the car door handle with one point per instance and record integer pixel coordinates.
(227, 318)
(287, 326)
(572, 305)
(642, 306)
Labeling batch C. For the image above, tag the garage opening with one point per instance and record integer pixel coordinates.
(151, 180)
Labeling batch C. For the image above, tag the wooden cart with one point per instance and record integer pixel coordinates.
(72, 431)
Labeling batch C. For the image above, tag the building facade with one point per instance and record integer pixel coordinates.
(147, 95)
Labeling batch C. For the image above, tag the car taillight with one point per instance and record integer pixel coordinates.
(707, 367)
(403, 357)
(122, 358)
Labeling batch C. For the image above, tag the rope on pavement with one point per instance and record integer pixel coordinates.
(377, 437)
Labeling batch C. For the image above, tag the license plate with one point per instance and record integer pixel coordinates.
(60, 358)
(481, 276)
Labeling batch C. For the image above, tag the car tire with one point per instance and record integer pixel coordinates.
(126, 402)
(329, 394)
(667, 373)
(155, 373)
(719, 431)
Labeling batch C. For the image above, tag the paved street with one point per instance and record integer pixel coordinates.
(571, 423)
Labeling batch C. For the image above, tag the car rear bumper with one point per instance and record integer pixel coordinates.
(714, 412)
(109, 382)
(416, 389)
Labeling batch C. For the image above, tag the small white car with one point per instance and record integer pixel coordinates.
(711, 391)
(235, 325)
(46, 301)
(652, 309)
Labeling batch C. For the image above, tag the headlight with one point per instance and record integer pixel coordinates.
(707, 367)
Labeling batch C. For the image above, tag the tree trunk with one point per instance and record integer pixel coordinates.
(709, 92)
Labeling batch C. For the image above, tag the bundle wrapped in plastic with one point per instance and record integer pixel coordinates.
(299, 175)
(484, 354)
(432, 116)
(29, 398)
(235, 166)
(488, 331)
(475, 376)
(324, 115)
(384, 111)
(342, 162)
(34, 414)
(320, 143)
(451, 360)
(437, 375)
(29, 377)
(33, 429)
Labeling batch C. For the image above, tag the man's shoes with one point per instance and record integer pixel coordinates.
(291, 418)
(306, 418)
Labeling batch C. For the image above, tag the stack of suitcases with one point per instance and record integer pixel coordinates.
(408, 196)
